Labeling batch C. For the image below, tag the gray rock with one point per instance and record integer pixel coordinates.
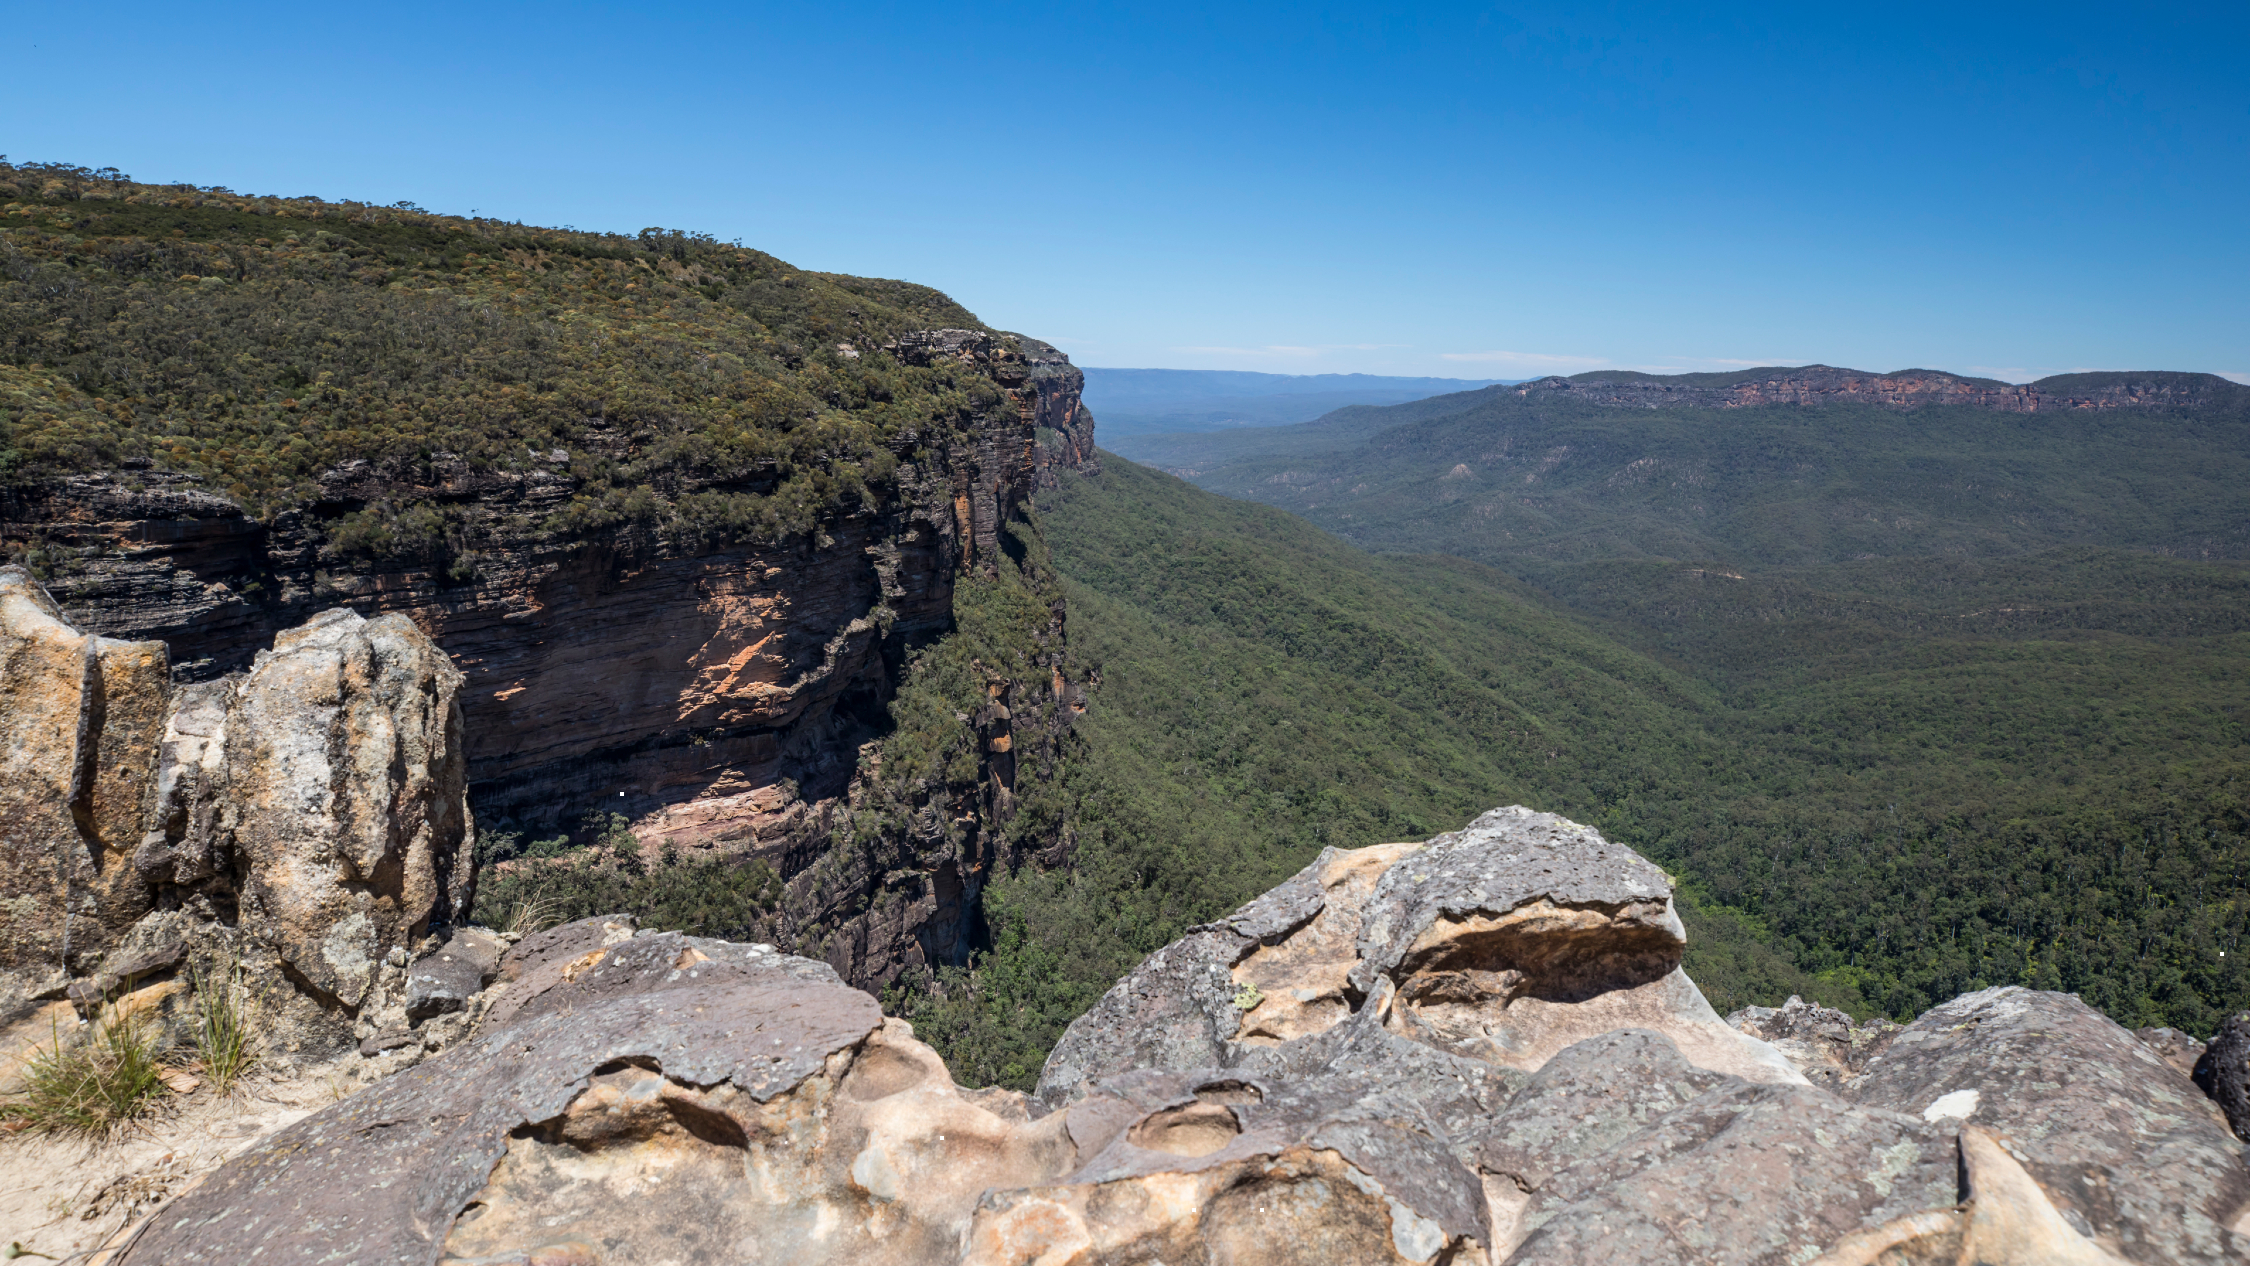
(1508, 859)
(1586, 1101)
(346, 774)
(1174, 1011)
(552, 958)
(2223, 1072)
(381, 1176)
(448, 977)
(1740, 1174)
(2130, 1152)
(1825, 1044)
(1501, 943)
(2179, 1050)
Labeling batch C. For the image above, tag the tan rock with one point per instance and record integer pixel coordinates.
(346, 779)
(79, 719)
(1503, 943)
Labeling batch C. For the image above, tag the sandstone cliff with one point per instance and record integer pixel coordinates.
(720, 697)
(1478, 1049)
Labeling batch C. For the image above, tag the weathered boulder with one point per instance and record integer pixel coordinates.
(2128, 1151)
(1504, 942)
(662, 1097)
(450, 976)
(1824, 1044)
(79, 721)
(2178, 1049)
(1746, 1173)
(346, 782)
(307, 821)
(1215, 1167)
(2223, 1072)
(637, 1096)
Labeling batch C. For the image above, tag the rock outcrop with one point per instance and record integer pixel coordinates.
(308, 818)
(720, 697)
(634, 1096)
(2223, 1072)
(1503, 943)
(80, 718)
(1824, 1044)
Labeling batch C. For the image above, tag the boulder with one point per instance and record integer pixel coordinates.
(2130, 1153)
(1745, 1173)
(642, 1096)
(2179, 1050)
(1824, 1044)
(79, 720)
(1214, 1167)
(450, 976)
(1503, 943)
(2223, 1073)
(346, 781)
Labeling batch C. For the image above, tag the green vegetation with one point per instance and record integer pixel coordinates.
(92, 1086)
(553, 883)
(1532, 484)
(223, 1048)
(695, 388)
(1266, 690)
(1976, 727)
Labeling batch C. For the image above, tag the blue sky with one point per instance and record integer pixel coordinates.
(1470, 190)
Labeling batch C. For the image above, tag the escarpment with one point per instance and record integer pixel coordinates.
(633, 1096)
(720, 696)
(1905, 389)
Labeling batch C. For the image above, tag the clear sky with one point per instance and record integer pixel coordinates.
(1467, 190)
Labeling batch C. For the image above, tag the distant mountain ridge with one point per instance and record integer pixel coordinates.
(1905, 388)
(1156, 401)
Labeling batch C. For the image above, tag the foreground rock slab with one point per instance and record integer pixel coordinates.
(1477, 1050)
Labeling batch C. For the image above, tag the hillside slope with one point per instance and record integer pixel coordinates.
(1880, 796)
(1262, 690)
(1559, 472)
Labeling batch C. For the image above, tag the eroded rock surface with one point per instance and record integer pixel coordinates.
(2223, 1072)
(347, 788)
(307, 820)
(634, 1096)
(2131, 1153)
(1824, 1044)
(1504, 943)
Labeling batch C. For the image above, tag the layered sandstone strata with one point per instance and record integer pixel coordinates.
(717, 697)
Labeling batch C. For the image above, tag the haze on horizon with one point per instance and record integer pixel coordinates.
(1450, 190)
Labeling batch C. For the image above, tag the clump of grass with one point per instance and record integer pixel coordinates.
(222, 1032)
(94, 1086)
(534, 913)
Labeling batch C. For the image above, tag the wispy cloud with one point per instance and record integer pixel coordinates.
(2235, 376)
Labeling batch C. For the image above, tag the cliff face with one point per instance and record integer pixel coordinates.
(1823, 384)
(717, 697)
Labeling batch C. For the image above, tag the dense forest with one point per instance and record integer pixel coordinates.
(1859, 810)
(1981, 717)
